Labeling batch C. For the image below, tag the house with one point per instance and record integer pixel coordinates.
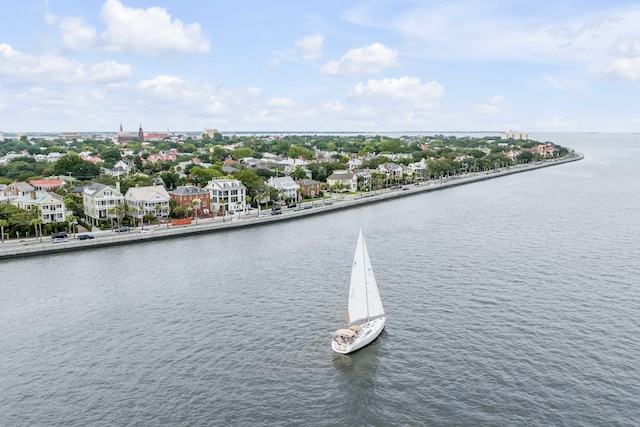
(100, 202)
(17, 189)
(286, 185)
(364, 177)
(229, 170)
(114, 171)
(50, 206)
(289, 169)
(309, 188)
(227, 195)
(125, 164)
(253, 164)
(345, 180)
(193, 197)
(165, 156)
(392, 170)
(152, 199)
(418, 169)
(46, 184)
(543, 150)
(354, 164)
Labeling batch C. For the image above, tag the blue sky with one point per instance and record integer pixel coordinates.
(331, 65)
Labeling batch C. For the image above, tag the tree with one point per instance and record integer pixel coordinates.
(242, 152)
(72, 164)
(525, 157)
(299, 173)
(71, 220)
(3, 223)
(195, 204)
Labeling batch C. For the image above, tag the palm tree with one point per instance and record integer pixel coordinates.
(165, 213)
(158, 209)
(72, 226)
(3, 223)
(36, 224)
(112, 213)
(195, 203)
(223, 206)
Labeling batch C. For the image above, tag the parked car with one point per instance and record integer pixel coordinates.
(59, 235)
(84, 237)
(123, 229)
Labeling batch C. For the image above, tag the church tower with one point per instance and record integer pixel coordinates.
(140, 134)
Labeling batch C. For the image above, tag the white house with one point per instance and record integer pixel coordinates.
(418, 169)
(150, 199)
(286, 184)
(392, 170)
(51, 205)
(99, 202)
(348, 180)
(227, 195)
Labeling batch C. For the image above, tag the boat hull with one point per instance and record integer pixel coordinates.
(369, 332)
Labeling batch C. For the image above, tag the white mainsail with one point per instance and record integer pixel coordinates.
(364, 298)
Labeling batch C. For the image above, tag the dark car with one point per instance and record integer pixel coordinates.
(123, 229)
(84, 236)
(59, 235)
(291, 205)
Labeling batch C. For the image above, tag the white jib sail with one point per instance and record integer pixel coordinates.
(364, 298)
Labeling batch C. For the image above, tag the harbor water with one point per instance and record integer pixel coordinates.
(511, 301)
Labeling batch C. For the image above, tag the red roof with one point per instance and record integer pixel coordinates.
(46, 182)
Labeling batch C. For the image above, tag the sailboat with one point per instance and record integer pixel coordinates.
(366, 318)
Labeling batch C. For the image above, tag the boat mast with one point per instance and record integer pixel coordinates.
(364, 265)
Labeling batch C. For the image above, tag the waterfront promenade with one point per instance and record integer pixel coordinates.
(34, 246)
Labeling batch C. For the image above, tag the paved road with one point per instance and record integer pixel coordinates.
(33, 246)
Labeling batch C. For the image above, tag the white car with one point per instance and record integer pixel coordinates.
(146, 230)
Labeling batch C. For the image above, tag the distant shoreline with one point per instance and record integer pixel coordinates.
(33, 247)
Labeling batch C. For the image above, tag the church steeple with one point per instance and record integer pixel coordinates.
(140, 134)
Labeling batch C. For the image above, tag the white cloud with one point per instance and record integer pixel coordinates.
(150, 30)
(366, 60)
(494, 105)
(627, 47)
(407, 89)
(563, 84)
(333, 107)
(624, 68)
(52, 68)
(469, 29)
(146, 31)
(164, 93)
(75, 34)
(160, 84)
(280, 102)
(310, 47)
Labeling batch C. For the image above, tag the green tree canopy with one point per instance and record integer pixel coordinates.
(72, 164)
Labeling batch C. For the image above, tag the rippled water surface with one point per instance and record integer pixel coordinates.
(513, 301)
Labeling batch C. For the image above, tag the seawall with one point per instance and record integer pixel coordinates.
(34, 247)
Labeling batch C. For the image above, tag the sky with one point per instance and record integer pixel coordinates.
(320, 66)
